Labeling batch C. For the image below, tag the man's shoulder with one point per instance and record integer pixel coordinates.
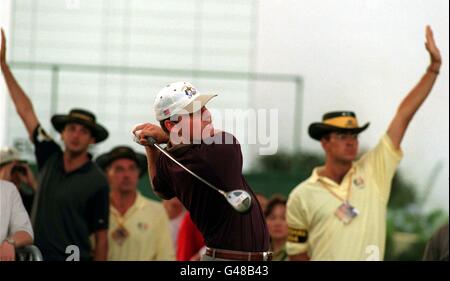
(150, 202)
(8, 191)
(7, 187)
(41, 139)
(384, 145)
(305, 186)
(153, 205)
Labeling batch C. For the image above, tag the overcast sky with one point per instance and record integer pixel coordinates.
(365, 56)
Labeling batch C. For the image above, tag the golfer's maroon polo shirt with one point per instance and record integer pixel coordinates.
(220, 164)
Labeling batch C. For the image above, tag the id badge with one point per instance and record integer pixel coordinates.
(120, 235)
(346, 213)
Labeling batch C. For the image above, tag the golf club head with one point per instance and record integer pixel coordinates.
(240, 200)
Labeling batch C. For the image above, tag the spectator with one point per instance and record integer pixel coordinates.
(191, 245)
(139, 227)
(15, 226)
(339, 213)
(73, 195)
(275, 214)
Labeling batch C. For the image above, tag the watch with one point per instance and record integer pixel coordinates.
(11, 241)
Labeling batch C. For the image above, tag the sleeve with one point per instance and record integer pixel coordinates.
(161, 183)
(44, 145)
(224, 159)
(297, 220)
(165, 251)
(19, 220)
(383, 161)
(98, 216)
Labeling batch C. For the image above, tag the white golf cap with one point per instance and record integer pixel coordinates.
(8, 154)
(179, 97)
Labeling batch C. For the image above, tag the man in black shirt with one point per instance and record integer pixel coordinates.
(73, 194)
(215, 156)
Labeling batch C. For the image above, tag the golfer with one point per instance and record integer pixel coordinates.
(186, 128)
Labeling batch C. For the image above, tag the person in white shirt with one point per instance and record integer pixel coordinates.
(15, 226)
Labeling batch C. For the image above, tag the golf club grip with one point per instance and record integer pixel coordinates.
(150, 140)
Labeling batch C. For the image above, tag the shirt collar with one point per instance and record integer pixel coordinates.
(315, 177)
(85, 167)
(139, 203)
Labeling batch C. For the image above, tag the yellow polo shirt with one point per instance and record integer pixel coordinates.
(148, 229)
(315, 229)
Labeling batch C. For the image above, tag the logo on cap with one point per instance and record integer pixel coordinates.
(189, 91)
(166, 112)
(350, 123)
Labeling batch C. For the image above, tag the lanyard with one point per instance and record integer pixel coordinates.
(121, 219)
(349, 190)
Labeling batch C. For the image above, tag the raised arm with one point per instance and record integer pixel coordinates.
(23, 105)
(417, 96)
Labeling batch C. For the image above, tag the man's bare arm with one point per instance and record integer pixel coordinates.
(418, 95)
(23, 104)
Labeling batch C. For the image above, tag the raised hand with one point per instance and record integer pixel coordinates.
(3, 49)
(435, 54)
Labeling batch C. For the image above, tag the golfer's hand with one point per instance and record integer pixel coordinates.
(142, 131)
(7, 252)
(3, 49)
(435, 54)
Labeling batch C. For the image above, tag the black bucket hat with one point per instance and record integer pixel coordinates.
(83, 117)
(337, 121)
(123, 152)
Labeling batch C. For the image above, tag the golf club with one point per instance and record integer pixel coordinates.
(239, 199)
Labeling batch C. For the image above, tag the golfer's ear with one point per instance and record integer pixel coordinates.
(169, 125)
